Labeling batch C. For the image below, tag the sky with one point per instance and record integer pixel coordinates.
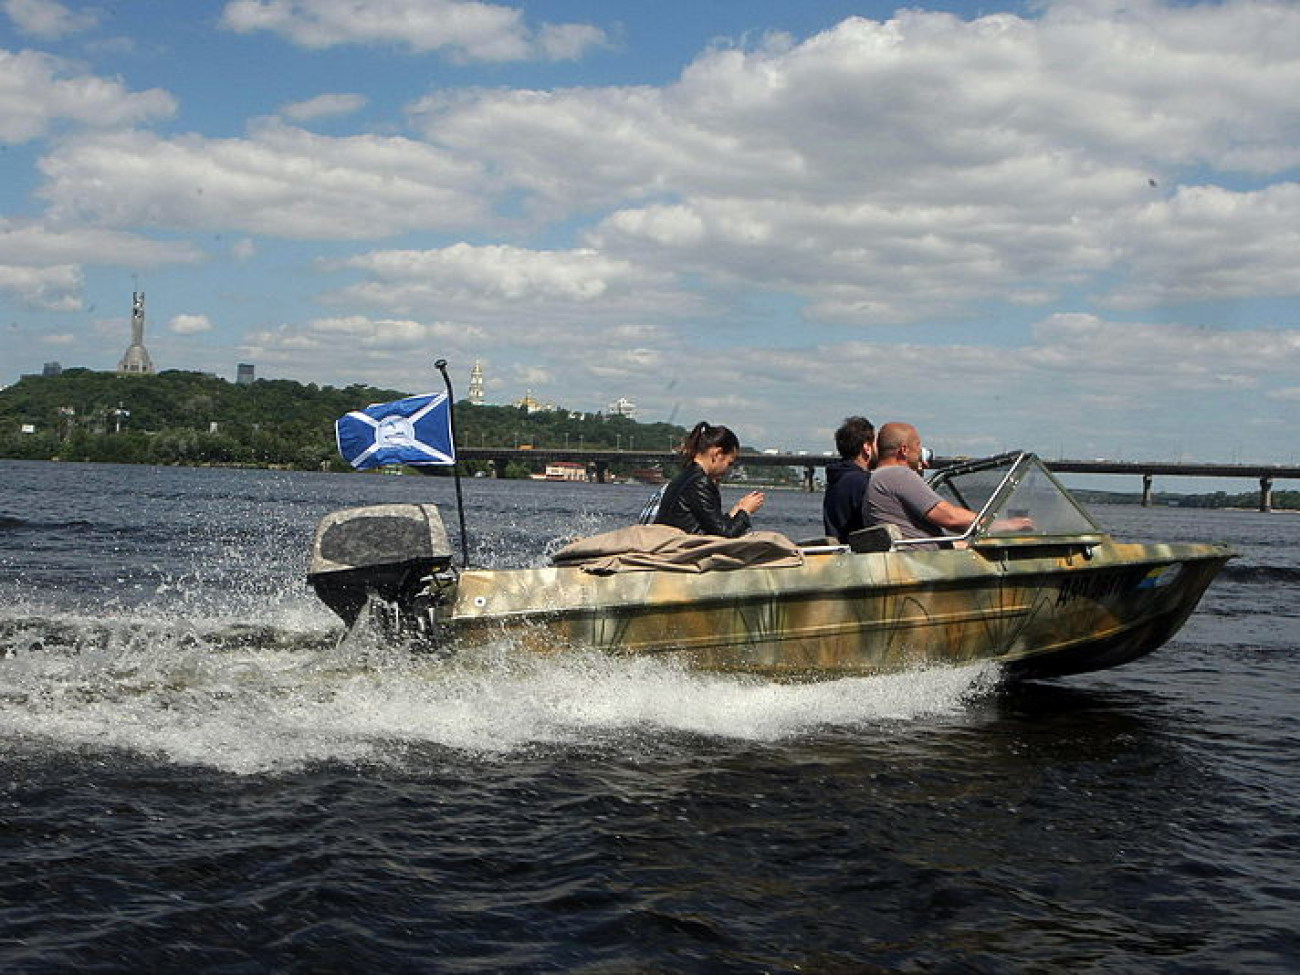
(1072, 228)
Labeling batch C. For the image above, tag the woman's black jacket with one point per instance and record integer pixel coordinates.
(693, 503)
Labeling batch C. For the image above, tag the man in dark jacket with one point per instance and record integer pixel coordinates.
(846, 479)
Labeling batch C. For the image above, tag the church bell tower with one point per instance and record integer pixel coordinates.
(476, 384)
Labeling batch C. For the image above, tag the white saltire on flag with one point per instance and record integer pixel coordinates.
(415, 430)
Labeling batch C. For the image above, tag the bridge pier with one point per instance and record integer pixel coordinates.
(499, 467)
(1147, 481)
(602, 469)
(1266, 493)
(808, 478)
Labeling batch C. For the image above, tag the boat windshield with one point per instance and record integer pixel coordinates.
(1017, 497)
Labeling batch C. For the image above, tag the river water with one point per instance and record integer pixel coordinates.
(198, 773)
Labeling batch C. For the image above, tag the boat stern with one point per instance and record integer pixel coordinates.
(388, 551)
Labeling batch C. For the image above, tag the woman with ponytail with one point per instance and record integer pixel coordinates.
(692, 501)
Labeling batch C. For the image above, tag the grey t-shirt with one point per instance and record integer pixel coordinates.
(897, 495)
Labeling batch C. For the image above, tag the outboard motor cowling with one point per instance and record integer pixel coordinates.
(384, 550)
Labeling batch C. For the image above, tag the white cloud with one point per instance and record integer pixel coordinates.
(56, 287)
(1068, 357)
(38, 90)
(1151, 390)
(879, 172)
(48, 20)
(581, 367)
(569, 42)
(1207, 243)
(465, 29)
(243, 250)
(324, 106)
(500, 271)
(863, 263)
(628, 363)
(500, 280)
(896, 107)
(1088, 351)
(391, 353)
(391, 333)
(531, 376)
(364, 336)
(890, 172)
(42, 265)
(36, 243)
(189, 324)
(281, 181)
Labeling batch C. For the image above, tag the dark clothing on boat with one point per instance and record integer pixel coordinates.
(846, 484)
(693, 503)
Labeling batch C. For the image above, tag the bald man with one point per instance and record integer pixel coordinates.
(898, 495)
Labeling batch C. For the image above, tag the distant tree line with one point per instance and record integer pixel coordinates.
(1282, 500)
(1222, 499)
(180, 417)
(191, 418)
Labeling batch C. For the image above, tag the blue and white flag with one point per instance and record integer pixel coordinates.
(415, 430)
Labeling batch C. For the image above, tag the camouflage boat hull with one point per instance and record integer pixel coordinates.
(843, 613)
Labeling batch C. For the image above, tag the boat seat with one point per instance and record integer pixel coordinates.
(875, 538)
(821, 541)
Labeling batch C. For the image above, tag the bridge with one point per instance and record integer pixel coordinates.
(1263, 474)
(599, 460)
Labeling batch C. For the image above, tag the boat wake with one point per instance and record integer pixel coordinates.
(257, 699)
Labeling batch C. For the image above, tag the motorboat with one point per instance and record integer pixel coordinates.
(1035, 585)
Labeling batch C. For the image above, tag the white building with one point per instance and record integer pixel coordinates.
(476, 384)
(622, 407)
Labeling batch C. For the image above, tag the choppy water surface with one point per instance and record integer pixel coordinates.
(197, 773)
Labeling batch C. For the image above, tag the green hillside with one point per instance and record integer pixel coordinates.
(178, 417)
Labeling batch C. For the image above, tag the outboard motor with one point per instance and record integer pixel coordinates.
(386, 552)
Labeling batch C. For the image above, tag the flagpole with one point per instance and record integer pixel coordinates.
(441, 366)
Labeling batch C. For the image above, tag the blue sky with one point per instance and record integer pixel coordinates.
(1067, 227)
